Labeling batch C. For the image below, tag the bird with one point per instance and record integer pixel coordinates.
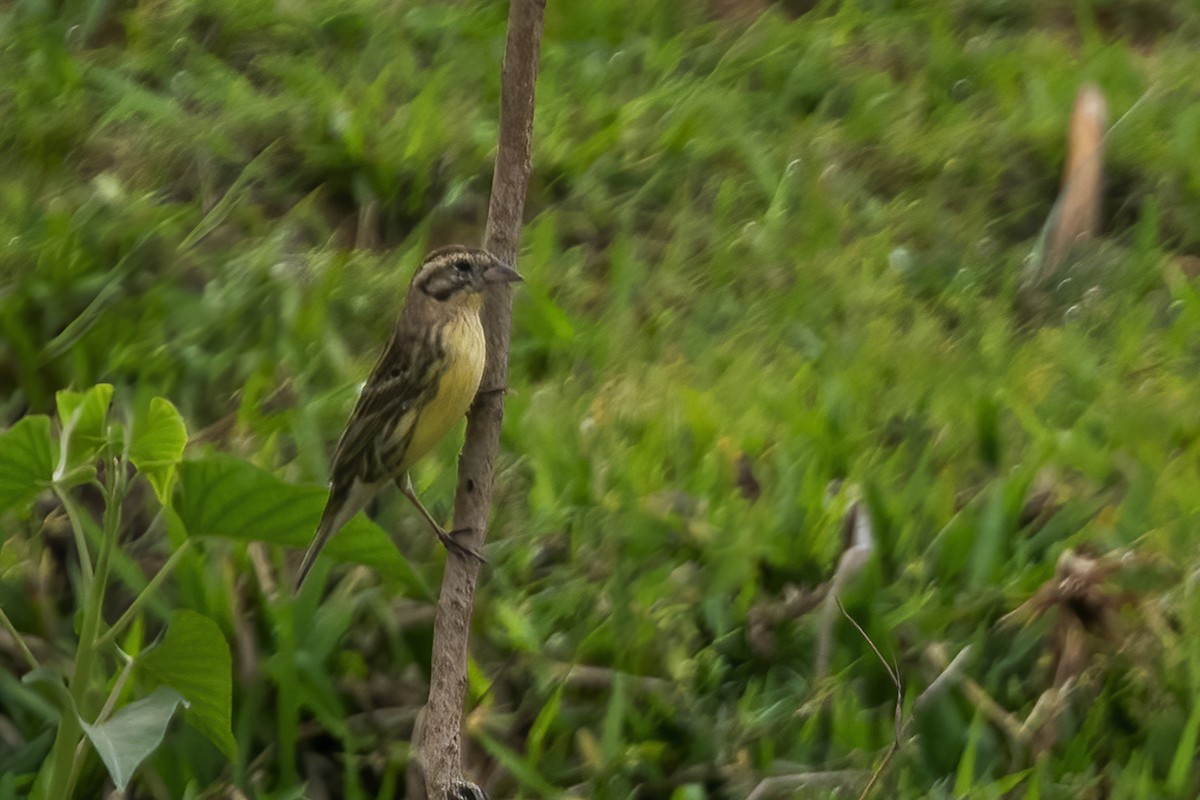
(422, 384)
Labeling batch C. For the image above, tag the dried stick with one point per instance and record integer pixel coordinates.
(1078, 206)
(437, 741)
(1076, 213)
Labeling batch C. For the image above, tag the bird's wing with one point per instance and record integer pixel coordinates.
(404, 379)
(372, 447)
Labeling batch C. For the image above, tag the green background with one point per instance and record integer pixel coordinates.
(768, 247)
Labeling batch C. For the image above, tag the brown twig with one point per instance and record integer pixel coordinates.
(1078, 205)
(437, 740)
(1076, 213)
(860, 543)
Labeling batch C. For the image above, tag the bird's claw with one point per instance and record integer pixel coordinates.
(452, 543)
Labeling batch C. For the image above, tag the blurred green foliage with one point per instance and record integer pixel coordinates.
(771, 247)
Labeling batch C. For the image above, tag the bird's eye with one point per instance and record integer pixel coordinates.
(463, 266)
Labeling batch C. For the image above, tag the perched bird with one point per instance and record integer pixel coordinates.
(421, 386)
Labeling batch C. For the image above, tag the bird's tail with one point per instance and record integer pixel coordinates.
(328, 526)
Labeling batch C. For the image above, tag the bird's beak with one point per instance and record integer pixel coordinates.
(501, 273)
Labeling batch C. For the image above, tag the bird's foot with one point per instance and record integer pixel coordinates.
(452, 542)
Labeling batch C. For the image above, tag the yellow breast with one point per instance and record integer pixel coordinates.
(464, 344)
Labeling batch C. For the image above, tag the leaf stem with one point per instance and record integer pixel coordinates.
(85, 556)
(26, 653)
(66, 757)
(111, 634)
(116, 691)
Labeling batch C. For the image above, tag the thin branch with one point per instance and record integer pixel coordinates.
(18, 640)
(437, 741)
(936, 656)
(168, 566)
(894, 673)
(118, 687)
(951, 673)
(860, 544)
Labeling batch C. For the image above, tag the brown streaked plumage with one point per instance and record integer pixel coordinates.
(421, 386)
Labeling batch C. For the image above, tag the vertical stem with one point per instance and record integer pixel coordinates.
(63, 758)
(438, 742)
(90, 629)
(62, 779)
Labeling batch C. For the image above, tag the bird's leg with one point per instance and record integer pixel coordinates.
(448, 540)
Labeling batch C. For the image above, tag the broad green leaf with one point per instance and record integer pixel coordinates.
(81, 415)
(194, 659)
(224, 496)
(26, 461)
(124, 740)
(157, 446)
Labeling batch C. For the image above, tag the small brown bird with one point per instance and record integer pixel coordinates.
(421, 386)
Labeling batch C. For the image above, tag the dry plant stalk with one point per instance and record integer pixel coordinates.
(1076, 213)
(437, 742)
(859, 535)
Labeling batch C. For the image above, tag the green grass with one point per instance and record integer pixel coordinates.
(796, 238)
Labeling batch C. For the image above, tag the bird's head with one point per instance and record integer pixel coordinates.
(457, 275)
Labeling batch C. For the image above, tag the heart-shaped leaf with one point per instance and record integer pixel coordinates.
(223, 496)
(157, 446)
(125, 739)
(26, 461)
(81, 415)
(194, 658)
